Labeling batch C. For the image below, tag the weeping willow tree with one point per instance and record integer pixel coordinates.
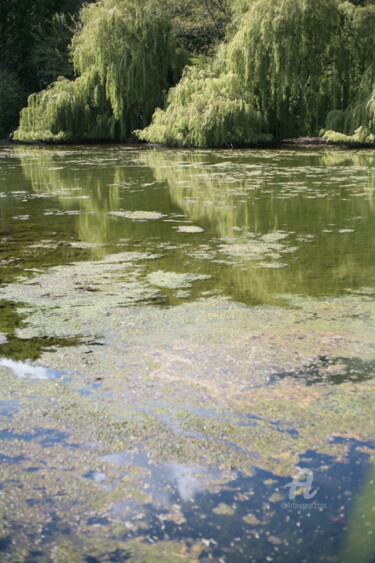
(356, 124)
(291, 61)
(207, 109)
(285, 66)
(285, 52)
(125, 58)
(303, 59)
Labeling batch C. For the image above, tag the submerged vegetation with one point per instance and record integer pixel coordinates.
(283, 68)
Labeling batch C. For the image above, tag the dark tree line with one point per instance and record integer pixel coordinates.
(34, 39)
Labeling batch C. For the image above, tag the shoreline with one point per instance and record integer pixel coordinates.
(301, 142)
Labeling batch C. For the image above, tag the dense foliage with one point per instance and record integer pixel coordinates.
(206, 109)
(199, 25)
(355, 124)
(35, 36)
(259, 69)
(11, 98)
(126, 60)
(294, 63)
(34, 39)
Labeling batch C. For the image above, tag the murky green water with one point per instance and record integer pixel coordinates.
(180, 331)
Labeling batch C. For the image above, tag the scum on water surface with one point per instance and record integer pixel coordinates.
(170, 423)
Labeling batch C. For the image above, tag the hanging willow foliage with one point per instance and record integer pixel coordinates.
(126, 60)
(206, 110)
(285, 67)
(300, 59)
(285, 52)
(357, 123)
(291, 61)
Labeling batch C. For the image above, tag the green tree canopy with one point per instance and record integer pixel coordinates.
(355, 121)
(199, 25)
(126, 59)
(207, 108)
(295, 61)
(285, 68)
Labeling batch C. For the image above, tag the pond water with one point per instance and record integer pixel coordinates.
(187, 354)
